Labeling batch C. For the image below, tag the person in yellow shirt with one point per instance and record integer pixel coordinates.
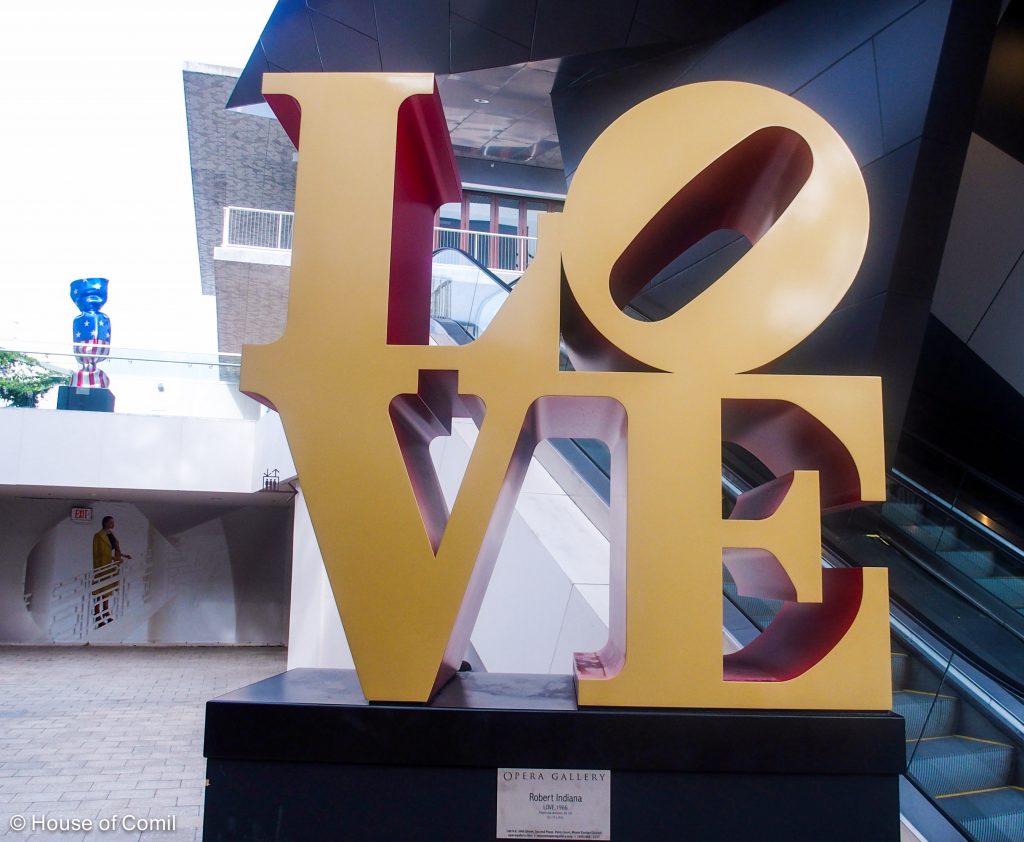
(106, 567)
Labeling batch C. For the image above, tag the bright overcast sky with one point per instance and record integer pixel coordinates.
(96, 169)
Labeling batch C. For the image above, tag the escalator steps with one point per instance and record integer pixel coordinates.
(1005, 588)
(995, 815)
(973, 563)
(902, 514)
(915, 706)
(936, 537)
(760, 611)
(950, 765)
(898, 666)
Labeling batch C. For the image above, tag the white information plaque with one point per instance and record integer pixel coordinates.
(554, 804)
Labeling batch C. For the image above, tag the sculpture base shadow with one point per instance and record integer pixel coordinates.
(85, 399)
(303, 756)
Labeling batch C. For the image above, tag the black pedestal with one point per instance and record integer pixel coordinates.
(85, 400)
(302, 756)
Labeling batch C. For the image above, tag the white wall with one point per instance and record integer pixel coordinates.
(227, 580)
(270, 450)
(201, 603)
(109, 450)
(22, 522)
(315, 634)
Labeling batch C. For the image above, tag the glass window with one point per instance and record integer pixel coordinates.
(479, 245)
(450, 215)
(508, 216)
(479, 213)
(449, 220)
(508, 256)
(533, 210)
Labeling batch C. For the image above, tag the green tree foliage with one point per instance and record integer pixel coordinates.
(23, 380)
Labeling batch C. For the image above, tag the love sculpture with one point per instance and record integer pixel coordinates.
(375, 163)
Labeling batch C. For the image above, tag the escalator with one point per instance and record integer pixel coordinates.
(962, 585)
(957, 612)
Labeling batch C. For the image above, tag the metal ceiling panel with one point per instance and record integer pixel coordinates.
(357, 14)
(511, 19)
(473, 46)
(575, 27)
(339, 44)
(413, 36)
(288, 38)
(481, 50)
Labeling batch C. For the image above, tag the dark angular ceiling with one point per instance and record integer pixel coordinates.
(1001, 109)
(496, 60)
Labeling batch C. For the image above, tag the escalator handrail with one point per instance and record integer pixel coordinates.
(921, 559)
(984, 478)
(1012, 683)
(1015, 684)
(964, 517)
(473, 262)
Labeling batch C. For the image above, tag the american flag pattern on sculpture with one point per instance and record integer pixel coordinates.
(91, 333)
(89, 353)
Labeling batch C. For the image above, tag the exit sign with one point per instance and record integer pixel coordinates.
(81, 514)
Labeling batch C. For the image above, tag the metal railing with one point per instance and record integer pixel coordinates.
(154, 381)
(260, 229)
(441, 298)
(508, 252)
(465, 292)
(269, 229)
(95, 598)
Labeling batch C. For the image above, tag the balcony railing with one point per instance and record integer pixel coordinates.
(259, 229)
(509, 252)
(267, 229)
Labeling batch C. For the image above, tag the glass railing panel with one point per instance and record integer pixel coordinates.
(930, 575)
(995, 508)
(154, 382)
(984, 566)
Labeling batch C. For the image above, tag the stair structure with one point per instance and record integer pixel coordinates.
(957, 756)
(137, 596)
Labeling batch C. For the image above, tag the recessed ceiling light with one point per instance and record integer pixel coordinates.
(482, 101)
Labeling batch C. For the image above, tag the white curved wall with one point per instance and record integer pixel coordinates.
(110, 450)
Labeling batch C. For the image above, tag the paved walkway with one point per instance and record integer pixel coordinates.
(89, 733)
